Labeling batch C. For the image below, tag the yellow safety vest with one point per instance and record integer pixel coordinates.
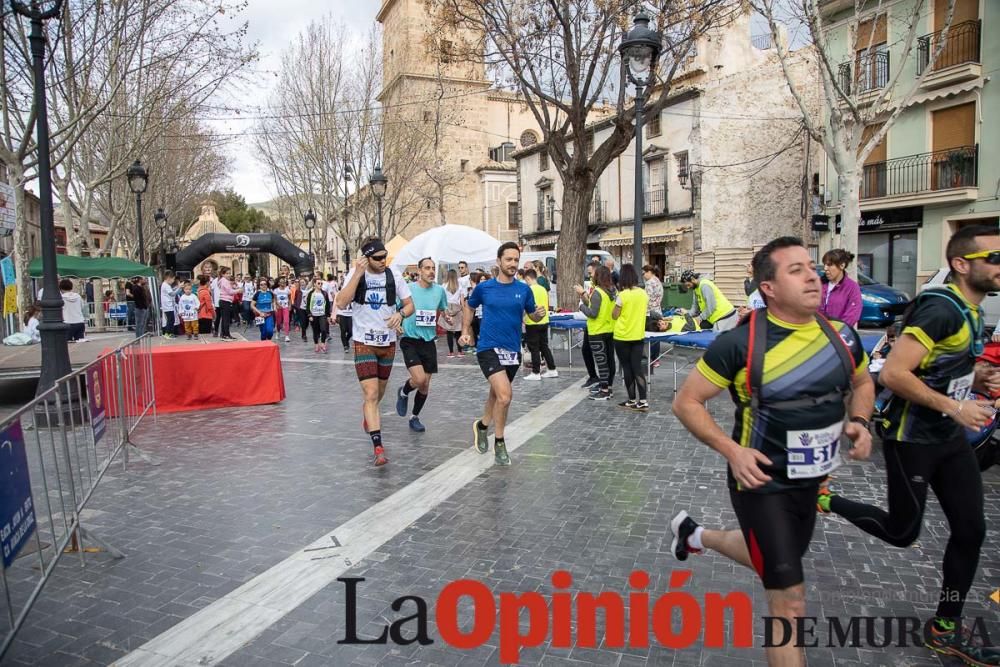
(631, 323)
(603, 323)
(722, 305)
(541, 299)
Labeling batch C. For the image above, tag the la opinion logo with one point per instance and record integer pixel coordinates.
(242, 241)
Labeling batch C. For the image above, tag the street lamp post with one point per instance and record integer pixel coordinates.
(138, 178)
(378, 183)
(52, 329)
(310, 221)
(639, 51)
(161, 221)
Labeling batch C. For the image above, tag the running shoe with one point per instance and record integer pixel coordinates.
(682, 527)
(415, 424)
(380, 459)
(956, 641)
(500, 455)
(823, 496)
(480, 439)
(533, 377)
(628, 405)
(402, 401)
(287, 339)
(551, 373)
(641, 406)
(590, 382)
(600, 395)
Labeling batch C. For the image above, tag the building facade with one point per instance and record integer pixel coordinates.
(724, 166)
(937, 168)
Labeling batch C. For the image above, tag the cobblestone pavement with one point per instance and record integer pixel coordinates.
(241, 490)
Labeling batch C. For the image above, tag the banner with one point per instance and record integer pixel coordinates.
(95, 397)
(10, 286)
(17, 512)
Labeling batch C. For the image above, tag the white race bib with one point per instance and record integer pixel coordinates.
(506, 357)
(189, 314)
(426, 318)
(258, 321)
(959, 388)
(377, 337)
(814, 453)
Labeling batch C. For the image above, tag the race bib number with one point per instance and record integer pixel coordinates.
(506, 357)
(377, 337)
(426, 318)
(258, 321)
(814, 453)
(189, 314)
(959, 388)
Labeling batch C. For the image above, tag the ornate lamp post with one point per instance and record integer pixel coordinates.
(138, 179)
(310, 221)
(378, 183)
(160, 218)
(639, 51)
(52, 329)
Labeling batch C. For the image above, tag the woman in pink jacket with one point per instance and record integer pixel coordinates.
(226, 293)
(841, 294)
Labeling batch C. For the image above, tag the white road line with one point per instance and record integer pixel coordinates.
(220, 629)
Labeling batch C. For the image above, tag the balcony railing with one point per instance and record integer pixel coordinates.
(961, 47)
(762, 42)
(926, 172)
(655, 201)
(865, 73)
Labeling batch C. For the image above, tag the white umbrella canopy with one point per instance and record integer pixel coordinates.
(449, 244)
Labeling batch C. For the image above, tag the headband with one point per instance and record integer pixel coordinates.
(372, 247)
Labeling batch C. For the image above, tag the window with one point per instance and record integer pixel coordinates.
(588, 144)
(446, 50)
(97, 242)
(513, 215)
(682, 167)
(543, 161)
(871, 68)
(653, 126)
(528, 138)
(428, 115)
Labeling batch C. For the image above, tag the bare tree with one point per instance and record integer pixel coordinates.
(850, 106)
(562, 57)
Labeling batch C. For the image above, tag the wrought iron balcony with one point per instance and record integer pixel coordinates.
(926, 172)
(655, 202)
(865, 73)
(762, 42)
(961, 47)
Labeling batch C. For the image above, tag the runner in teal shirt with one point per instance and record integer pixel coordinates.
(418, 341)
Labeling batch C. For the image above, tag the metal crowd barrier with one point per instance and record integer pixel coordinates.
(54, 452)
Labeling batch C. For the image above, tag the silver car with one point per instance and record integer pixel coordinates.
(990, 305)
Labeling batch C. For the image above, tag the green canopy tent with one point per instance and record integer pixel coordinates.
(69, 266)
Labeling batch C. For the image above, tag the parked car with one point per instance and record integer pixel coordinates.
(548, 258)
(990, 305)
(876, 297)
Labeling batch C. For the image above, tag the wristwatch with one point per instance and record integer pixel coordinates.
(860, 420)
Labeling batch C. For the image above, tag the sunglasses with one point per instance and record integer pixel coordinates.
(991, 256)
(379, 258)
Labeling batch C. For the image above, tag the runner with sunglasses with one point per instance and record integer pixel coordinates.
(373, 292)
(931, 372)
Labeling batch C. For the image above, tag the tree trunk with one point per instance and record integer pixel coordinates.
(74, 243)
(576, 200)
(850, 214)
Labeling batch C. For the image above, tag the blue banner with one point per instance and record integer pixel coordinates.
(17, 512)
(7, 271)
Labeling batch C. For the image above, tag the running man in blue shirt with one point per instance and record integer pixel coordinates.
(417, 335)
(504, 301)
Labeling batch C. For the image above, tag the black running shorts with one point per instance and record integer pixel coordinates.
(490, 364)
(419, 352)
(777, 528)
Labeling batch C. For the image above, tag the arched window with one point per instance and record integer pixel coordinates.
(528, 138)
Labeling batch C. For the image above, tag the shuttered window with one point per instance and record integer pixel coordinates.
(865, 29)
(878, 153)
(954, 127)
(965, 10)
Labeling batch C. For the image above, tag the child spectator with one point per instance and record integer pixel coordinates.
(188, 307)
(73, 314)
(206, 306)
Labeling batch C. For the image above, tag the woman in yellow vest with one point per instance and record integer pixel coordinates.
(597, 306)
(629, 314)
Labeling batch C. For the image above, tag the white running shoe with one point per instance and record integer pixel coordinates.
(551, 374)
(287, 339)
(533, 377)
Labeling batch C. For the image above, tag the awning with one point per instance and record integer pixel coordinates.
(654, 232)
(93, 267)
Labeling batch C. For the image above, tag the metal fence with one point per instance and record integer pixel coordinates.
(54, 452)
(925, 172)
(868, 71)
(962, 46)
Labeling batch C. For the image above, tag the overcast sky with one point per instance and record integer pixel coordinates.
(274, 25)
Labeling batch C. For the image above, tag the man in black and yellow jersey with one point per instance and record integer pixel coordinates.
(788, 370)
(931, 372)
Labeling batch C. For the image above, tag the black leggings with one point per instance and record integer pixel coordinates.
(346, 323)
(588, 356)
(303, 317)
(453, 337)
(602, 355)
(537, 338)
(321, 329)
(632, 358)
(476, 321)
(951, 470)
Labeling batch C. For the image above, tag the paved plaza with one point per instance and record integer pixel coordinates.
(234, 543)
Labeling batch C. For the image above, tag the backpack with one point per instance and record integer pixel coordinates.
(755, 364)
